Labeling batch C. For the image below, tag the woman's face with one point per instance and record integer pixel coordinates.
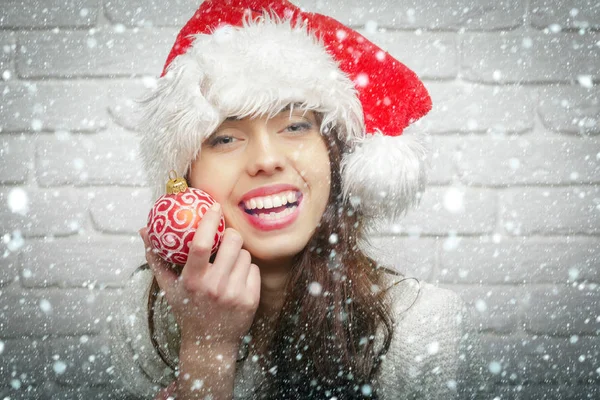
(253, 167)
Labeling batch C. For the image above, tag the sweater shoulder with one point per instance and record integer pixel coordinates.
(432, 348)
(138, 367)
(420, 303)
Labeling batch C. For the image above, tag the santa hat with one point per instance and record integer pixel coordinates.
(253, 57)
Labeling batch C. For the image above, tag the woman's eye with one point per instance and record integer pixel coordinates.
(299, 127)
(221, 140)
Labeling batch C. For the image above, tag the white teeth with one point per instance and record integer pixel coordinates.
(275, 216)
(291, 197)
(271, 201)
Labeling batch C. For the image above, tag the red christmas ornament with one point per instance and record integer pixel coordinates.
(173, 220)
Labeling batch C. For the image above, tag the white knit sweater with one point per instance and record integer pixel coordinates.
(434, 351)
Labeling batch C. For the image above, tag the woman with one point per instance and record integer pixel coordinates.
(292, 122)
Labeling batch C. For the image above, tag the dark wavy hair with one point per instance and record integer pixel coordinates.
(324, 345)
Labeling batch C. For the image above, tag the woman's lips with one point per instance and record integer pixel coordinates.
(273, 224)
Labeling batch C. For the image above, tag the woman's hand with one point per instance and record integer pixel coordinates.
(214, 303)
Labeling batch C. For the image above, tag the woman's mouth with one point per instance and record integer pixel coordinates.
(268, 214)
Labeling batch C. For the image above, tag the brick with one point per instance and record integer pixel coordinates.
(563, 310)
(53, 312)
(509, 161)
(8, 46)
(37, 106)
(542, 359)
(9, 250)
(442, 169)
(430, 55)
(50, 13)
(122, 100)
(85, 359)
(559, 392)
(81, 54)
(107, 158)
(411, 257)
(35, 212)
(520, 260)
(23, 361)
(574, 14)
(493, 308)
(571, 210)
(464, 107)
(444, 14)
(570, 109)
(15, 151)
(120, 210)
(25, 393)
(64, 262)
(529, 58)
(150, 13)
(443, 211)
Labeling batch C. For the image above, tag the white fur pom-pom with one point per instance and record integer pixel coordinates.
(384, 176)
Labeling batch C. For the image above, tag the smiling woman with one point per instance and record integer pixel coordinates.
(262, 159)
(301, 153)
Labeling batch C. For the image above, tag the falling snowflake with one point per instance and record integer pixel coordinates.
(495, 367)
(371, 26)
(45, 306)
(315, 288)
(366, 389)
(454, 200)
(59, 367)
(197, 384)
(433, 347)
(481, 305)
(13, 242)
(361, 80)
(18, 201)
(586, 81)
(333, 238)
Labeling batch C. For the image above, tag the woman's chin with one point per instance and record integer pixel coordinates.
(276, 252)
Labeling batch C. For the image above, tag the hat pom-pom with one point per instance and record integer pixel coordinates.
(384, 176)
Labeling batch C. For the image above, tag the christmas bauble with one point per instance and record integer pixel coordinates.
(173, 220)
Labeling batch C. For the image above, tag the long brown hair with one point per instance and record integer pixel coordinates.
(324, 345)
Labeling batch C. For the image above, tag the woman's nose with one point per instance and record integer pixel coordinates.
(265, 156)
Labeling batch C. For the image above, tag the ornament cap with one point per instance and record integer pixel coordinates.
(176, 184)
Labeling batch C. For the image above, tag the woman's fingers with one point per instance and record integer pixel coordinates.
(253, 282)
(165, 275)
(226, 258)
(201, 246)
(240, 271)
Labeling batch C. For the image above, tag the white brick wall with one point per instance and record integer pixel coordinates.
(514, 131)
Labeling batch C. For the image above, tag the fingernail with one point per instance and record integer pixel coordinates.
(216, 207)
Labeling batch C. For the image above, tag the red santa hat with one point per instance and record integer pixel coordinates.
(254, 57)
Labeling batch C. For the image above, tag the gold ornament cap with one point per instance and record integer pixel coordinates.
(176, 184)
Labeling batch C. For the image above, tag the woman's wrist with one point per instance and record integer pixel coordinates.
(207, 350)
(206, 368)
(210, 343)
